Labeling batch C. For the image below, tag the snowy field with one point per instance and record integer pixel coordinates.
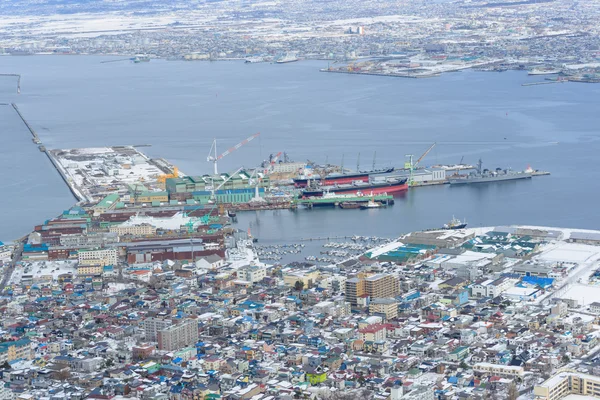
(584, 294)
(571, 252)
(43, 270)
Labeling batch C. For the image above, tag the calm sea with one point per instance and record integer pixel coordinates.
(179, 107)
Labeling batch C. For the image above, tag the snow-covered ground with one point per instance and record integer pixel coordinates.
(584, 294)
(41, 269)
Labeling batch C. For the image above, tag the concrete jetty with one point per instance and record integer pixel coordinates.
(42, 148)
(35, 139)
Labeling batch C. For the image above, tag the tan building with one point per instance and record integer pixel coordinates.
(149, 197)
(355, 288)
(387, 307)
(100, 257)
(567, 382)
(374, 286)
(139, 230)
(89, 270)
(308, 278)
(19, 349)
(178, 336)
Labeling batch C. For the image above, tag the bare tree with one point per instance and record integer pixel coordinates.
(513, 392)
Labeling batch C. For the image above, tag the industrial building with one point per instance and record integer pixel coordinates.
(176, 249)
(190, 184)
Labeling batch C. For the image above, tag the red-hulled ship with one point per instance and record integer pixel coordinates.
(361, 188)
(340, 179)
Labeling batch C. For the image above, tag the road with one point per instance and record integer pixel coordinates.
(8, 271)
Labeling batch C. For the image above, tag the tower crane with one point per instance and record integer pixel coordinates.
(214, 158)
(214, 189)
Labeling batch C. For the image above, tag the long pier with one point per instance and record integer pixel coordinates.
(18, 76)
(336, 201)
(36, 139)
(43, 149)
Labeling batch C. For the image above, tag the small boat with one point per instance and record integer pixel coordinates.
(231, 213)
(455, 224)
(349, 205)
(371, 204)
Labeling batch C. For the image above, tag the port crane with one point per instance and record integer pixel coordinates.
(213, 189)
(271, 165)
(214, 158)
(206, 219)
(162, 179)
(410, 166)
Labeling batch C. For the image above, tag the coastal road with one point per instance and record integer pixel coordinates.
(8, 271)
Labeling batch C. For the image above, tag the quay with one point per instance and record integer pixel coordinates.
(541, 83)
(336, 201)
(432, 75)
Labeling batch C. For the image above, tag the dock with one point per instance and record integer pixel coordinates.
(336, 201)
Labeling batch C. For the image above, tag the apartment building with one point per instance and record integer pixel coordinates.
(153, 325)
(252, 273)
(138, 230)
(374, 286)
(175, 337)
(506, 371)
(565, 383)
(387, 307)
(100, 257)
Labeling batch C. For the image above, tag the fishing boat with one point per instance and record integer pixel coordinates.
(455, 223)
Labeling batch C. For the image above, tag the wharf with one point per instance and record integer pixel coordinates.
(336, 201)
(395, 75)
(540, 173)
(542, 83)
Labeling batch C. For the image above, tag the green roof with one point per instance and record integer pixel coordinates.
(108, 201)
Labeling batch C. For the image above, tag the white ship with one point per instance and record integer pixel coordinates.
(288, 58)
(544, 71)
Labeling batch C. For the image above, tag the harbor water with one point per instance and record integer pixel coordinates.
(179, 107)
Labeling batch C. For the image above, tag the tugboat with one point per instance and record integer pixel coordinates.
(371, 204)
(455, 224)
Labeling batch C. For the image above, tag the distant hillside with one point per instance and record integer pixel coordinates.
(45, 7)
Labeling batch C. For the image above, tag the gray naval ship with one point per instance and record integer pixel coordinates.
(485, 176)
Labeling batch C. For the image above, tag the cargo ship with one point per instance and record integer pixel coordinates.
(361, 188)
(486, 176)
(340, 178)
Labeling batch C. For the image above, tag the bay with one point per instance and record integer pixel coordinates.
(179, 107)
